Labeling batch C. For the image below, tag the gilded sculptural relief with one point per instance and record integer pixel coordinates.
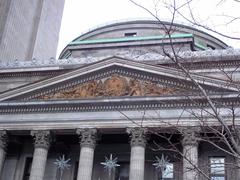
(113, 86)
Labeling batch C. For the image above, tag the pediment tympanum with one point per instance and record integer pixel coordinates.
(113, 86)
(116, 77)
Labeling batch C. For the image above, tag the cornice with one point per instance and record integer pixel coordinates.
(146, 56)
(205, 65)
(116, 104)
(49, 73)
(53, 71)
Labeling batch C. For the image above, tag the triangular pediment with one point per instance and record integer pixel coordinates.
(115, 77)
(115, 85)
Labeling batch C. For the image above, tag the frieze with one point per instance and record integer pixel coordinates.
(113, 86)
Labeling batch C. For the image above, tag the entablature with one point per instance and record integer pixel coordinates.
(118, 104)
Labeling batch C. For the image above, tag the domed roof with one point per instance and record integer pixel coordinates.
(138, 33)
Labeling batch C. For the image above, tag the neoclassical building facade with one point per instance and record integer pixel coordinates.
(114, 96)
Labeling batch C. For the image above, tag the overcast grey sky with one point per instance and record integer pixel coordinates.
(81, 15)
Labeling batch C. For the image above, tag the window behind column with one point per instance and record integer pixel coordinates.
(75, 170)
(167, 174)
(27, 168)
(122, 172)
(217, 168)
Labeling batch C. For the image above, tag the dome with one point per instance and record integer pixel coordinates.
(138, 35)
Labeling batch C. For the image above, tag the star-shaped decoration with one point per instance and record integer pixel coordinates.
(161, 164)
(110, 163)
(61, 163)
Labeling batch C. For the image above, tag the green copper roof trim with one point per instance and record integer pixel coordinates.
(200, 46)
(127, 39)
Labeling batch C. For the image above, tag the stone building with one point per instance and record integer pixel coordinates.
(114, 91)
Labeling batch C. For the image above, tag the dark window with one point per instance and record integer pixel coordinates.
(75, 171)
(132, 34)
(122, 172)
(210, 47)
(217, 168)
(27, 168)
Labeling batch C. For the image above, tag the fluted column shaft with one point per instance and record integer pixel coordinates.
(3, 145)
(190, 155)
(237, 159)
(41, 146)
(87, 146)
(137, 160)
(236, 134)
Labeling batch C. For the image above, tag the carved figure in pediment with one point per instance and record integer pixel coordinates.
(86, 90)
(135, 88)
(100, 89)
(116, 86)
(57, 95)
(155, 90)
(113, 86)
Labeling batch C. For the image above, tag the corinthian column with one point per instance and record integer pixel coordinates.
(41, 146)
(87, 145)
(137, 160)
(3, 145)
(237, 166)
(236, 135)
(190, 154)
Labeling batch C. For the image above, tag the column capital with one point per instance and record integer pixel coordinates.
(88, 137)
(3, 139)
(42, 138)
(190, 136)
(138, 136)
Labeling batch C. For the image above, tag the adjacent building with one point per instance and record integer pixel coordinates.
(29, 29)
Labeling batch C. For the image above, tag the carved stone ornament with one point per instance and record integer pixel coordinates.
(190, 137)
(42, 139)
(113, 86)
(88, 137)
(138, 136)
(3, 140)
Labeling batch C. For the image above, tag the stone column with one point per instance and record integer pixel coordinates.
(41, 146)
(236, 166)
(3, 146)
(137, 160)
(87, 146)
(190, 154)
